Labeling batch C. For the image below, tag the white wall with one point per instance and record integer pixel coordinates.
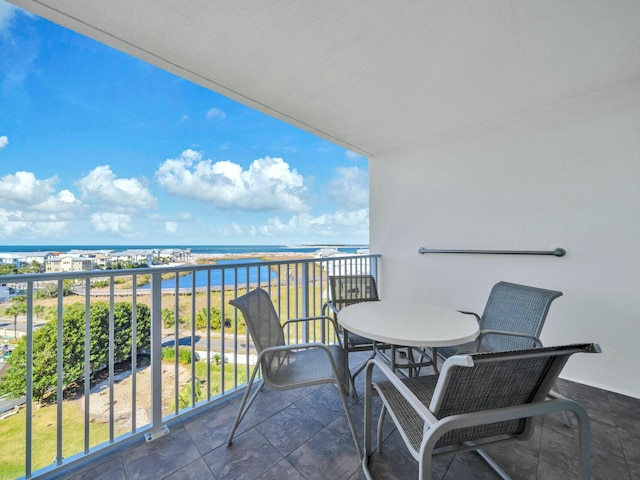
(565, 176)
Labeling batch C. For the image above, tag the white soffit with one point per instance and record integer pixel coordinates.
(376, 76)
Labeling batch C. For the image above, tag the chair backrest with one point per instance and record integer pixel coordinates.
(261, 319)
(484, 381)
(515, 308)
(349, 289)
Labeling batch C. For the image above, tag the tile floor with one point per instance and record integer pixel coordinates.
(303, 435)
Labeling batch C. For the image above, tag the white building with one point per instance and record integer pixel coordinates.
(70, 263)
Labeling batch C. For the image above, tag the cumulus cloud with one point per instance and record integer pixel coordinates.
(122, 194)
(170, 227)
(349, 187)
(112, 223)
(25, 192)
(25, 225)
(4, 141)
(216, 113)
(268, 184)
(327, 224)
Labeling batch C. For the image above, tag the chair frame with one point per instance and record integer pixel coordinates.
(542, 402)
(364, 344)
(263, 354)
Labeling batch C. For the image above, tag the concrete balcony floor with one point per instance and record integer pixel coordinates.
(303, 435)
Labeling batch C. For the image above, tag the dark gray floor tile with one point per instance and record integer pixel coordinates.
(211, 430)
(325, 452)
(282, 470)
(626, 412)
(471, 466)
(607, 467)
(630, 445)
(634, 470)
(161, 457)
(197, 470)
(110, 469)
(250, 456)
(594, 400)
(559, 450)
(288, 429)
(323, 405)
(515, 462)
(549, 471)
(267, 403)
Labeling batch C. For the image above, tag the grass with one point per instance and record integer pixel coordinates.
(12, 432)
(12, 429)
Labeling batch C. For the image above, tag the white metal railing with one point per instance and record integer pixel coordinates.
(197, 296)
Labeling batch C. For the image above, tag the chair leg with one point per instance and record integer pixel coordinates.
(383, 414)
(491, 462)
(244, 405)
(343, 397)
(352, 378)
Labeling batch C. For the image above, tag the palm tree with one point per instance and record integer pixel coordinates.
(18, 307)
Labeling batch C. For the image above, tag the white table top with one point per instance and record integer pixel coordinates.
(409, 324)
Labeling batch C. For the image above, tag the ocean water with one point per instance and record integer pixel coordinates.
(195, 249)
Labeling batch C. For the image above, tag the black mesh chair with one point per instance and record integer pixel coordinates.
(284, 366)
(477, 399)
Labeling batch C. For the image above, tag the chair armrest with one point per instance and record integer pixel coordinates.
(483, 333)
(310, 319)
(421, 409)
(330, 306)
(333, 322)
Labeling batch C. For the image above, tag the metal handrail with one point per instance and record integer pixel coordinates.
(558, 252)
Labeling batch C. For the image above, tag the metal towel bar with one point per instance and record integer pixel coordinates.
(558, 252)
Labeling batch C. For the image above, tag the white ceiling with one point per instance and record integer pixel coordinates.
(376, 76)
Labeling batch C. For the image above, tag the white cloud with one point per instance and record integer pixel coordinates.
(352, 155)
(350, 187)
(216, 113)
(268, 184)
(123, 194)
(337, 224)
(7, 12)
(114, 223)
(25, 192)
(18, 225)
(4, 141)
(170, 227)
(183, 118)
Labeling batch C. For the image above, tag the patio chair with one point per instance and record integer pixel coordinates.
(477, 400)
(345, 290)
(512, 319)
(284, 366)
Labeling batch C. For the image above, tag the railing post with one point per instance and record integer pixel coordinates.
(305, 300)
(157, 429)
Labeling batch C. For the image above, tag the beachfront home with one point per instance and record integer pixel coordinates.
(493, 126)
(19, 259)
(69, 263)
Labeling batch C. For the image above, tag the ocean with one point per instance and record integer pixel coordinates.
(195, 249)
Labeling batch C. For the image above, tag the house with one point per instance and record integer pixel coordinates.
(69, 263)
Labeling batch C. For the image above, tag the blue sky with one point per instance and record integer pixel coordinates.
(98, 147)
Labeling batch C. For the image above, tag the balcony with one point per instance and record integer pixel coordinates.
(162, 429)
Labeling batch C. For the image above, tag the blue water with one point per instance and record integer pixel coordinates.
(195, 249)
(230, 277)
